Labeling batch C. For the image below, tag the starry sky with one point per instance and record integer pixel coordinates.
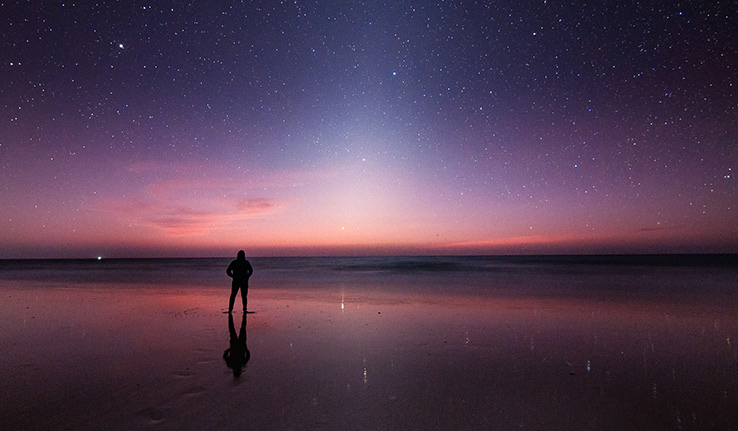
(163, 128)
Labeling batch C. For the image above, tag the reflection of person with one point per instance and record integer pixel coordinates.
(238, 354)
(239, 270)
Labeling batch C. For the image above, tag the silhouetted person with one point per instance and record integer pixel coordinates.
(238, 354)
(239, 270)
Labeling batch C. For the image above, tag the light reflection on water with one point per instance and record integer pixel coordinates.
(424, 359)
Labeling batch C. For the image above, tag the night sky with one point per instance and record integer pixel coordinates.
(169, 128)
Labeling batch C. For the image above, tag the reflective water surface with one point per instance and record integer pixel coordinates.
(367, 356)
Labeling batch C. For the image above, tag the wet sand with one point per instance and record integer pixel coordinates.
(123, 358)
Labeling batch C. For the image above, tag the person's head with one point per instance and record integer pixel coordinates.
(241, 255)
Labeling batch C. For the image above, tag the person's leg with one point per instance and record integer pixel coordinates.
(232, 300)
(244, 296)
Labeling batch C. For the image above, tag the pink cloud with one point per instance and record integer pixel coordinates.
(190, 205)
(193, 217)
(511, 241)
(660, 228)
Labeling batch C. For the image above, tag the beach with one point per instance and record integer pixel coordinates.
(371, 343)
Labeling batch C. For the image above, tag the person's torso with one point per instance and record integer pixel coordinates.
(240, 269)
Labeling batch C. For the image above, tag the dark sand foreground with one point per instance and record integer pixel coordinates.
(127, 359)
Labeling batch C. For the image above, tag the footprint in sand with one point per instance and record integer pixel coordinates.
(193, 391)
(152, 414)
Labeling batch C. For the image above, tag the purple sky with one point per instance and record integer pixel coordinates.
(168, 129)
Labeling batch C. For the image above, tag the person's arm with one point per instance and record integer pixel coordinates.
(229, 271)
(249, 269)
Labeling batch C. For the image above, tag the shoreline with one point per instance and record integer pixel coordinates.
(417, 350)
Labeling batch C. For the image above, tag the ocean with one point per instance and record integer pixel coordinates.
(365, 343)
(629, 276)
